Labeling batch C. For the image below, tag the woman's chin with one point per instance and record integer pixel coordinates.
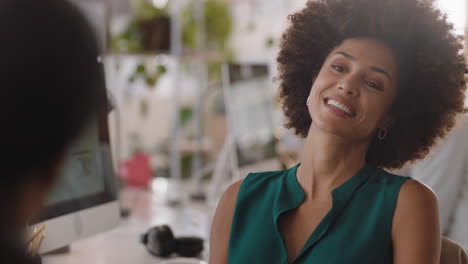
(333, 128)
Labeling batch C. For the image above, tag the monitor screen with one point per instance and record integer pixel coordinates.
(84, 201)
(250, 96)
(86, 178)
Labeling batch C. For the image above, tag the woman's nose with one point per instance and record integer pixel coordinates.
(349, 86)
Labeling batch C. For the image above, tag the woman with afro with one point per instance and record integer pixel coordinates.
(370, 85)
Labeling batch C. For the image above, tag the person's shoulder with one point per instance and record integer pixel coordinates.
(416, 202)
(416, 224)
(267, 177)
(222, 222)
(230, 194)
(411, 189)
(252, 179)
(414, 194)
(381, 176)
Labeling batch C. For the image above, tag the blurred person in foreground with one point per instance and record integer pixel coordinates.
(370, 84)
(51, 85)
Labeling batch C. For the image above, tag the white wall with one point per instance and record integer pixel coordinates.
(456, 11)
(269, 18)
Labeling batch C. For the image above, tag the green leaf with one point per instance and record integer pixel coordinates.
(218, 22)
(151, 81)
(185, 113)
(269, 42)
(162, 69)
(141, 69)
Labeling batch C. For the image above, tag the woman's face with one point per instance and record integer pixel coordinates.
(355, 88)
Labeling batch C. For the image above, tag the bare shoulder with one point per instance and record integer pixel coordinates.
(414, 194)
(227, 203)
(222, 221)
(415, 201)
(229, 196)
(416, 227)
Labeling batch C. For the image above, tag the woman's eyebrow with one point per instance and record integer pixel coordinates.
(373, 68)
(378, 70)
(346, 55)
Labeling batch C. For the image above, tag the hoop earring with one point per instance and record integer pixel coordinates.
(308, 99)
(382, 133)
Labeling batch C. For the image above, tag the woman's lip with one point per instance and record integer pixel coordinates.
(337, 111)
(343, 102)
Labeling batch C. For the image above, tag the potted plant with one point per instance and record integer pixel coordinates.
(147, 31)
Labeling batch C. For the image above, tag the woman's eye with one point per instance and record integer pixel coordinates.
(338, 68)
(373, 85)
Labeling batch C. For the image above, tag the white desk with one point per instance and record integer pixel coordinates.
(122, 244)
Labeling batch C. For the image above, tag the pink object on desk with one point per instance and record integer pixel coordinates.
(136, 171)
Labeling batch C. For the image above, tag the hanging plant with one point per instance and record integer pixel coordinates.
(148, 31)
(150, 77)
(218, 25)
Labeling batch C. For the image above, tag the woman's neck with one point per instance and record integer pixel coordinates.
(327, 161)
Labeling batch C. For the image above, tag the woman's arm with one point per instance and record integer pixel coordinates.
(416, 228)
(221, 227)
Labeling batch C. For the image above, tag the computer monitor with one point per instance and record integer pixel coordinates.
(84, 201)
(249, 93)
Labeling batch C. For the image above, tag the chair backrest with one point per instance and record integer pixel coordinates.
(452, 253)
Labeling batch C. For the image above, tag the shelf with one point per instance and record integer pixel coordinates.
(191, 146)
(186, 56)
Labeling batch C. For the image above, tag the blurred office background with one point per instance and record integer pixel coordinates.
(194, 102)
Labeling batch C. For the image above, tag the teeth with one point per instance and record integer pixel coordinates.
(340, 106)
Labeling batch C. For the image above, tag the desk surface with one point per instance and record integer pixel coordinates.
(122, 244)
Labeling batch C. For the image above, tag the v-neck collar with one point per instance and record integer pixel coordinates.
(291, 195)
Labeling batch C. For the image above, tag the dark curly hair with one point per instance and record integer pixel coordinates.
(46, 103)
(431, 66)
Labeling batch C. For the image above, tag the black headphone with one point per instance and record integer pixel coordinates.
(160, 242)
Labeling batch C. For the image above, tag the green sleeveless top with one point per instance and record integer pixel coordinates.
(357, 229)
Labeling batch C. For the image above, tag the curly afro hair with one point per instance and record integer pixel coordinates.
(431, 65)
